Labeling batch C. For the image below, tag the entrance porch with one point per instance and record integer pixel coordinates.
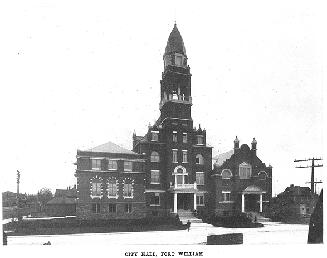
(252, 199)
(184, 201)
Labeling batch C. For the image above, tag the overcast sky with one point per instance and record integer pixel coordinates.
(78, 74)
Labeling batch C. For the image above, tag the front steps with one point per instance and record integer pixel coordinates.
(259, 217)
(187, 215)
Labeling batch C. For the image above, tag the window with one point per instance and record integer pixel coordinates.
(112, 208)
(155, 199)
(199, 139)
(175, 160)
(245, 171)
(179, 179)
(128, 189)
(112, 165)
(112, 188)
(184, 156)
(262, 175)
(96, 164)
(199, 159)
(226, 196)
(154, 136)
(184, 137)
(199, 178)
(226, 174)
(174, 136)
(155, 176)
(96, 188)
(96, 207)
(155, 156)
(200, 199)
(128, 208)
(178, 60)
(127, 165)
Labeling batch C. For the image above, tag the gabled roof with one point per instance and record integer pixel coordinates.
(221, 158)
(110, 147)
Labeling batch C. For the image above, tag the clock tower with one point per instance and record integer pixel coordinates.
(176, 100)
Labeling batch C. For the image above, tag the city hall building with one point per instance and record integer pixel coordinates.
(169, 169)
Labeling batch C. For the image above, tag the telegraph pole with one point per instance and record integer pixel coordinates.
(18, 181)
(312, 166)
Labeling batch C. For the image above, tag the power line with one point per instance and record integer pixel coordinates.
(312, 166)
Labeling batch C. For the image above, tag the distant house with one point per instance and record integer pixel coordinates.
(295, 203)
(110, 183)
(241, 182)
(63, 203)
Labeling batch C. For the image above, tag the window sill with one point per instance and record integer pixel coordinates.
(128, 197)
(199, 204)
(96, 196)
(154, 205)
(155, 183)
(112, 197)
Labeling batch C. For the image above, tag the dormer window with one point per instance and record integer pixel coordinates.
(154, 136)
(199, 139)
(178, 60)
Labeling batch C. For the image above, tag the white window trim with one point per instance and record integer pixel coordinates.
(128, 170)
(112, 169)
(224, 192)
(117, 189)
(184, 151)
(203, 200)
(200, 162)
(262, 172)
(197, 142)
(203, 177)
(151, 157)
(154, 183)
(156, 132)
(184, 134)
(159, 200)
(175, 150)
(226, 169)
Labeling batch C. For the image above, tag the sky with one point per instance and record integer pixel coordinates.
(76, 74)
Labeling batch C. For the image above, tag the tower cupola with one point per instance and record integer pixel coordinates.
(175, 53)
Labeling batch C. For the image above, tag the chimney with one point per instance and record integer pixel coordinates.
(236, 144)
(254, 145)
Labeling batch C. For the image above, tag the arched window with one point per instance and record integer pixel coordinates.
(262, 175)
(128, 188)
(155, 156)
(96, 185)
(112, 188)
(245, 171)
(199, 159)
(226, 174)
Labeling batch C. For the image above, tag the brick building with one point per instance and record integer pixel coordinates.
(296, 203)
(241, 181)
(110, 183)
(178, 158)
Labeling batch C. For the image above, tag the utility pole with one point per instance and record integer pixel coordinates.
(315, 183)
(312, 166)
(18, 181)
